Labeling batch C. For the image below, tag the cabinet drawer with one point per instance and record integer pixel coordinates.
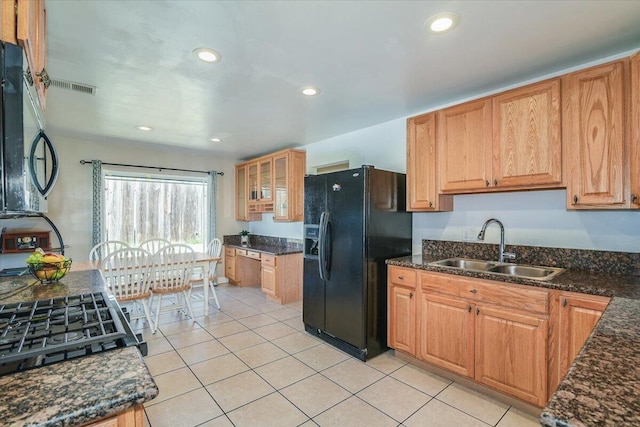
(252, 254)
(486, 291)
(241, 252)
(268, 260)
(403, 276)
(229, 252)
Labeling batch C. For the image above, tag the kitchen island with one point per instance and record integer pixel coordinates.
(603, 384)
(77, 391)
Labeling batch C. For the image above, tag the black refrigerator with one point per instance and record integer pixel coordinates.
(353, 221)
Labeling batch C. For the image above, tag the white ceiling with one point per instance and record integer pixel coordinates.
(372, 61)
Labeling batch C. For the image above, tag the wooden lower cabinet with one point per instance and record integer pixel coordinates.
(230, 264)
(401, 332)
(446, 333)
(511, 352)
(132, 417)
(281, 277)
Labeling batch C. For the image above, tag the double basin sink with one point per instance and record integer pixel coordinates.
(505, 269)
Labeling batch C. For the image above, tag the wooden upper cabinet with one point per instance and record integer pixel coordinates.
(594, 120)
(422, 166)
(241, 192)
(289, 168)
(265, 176)
(634, 122)
(464, 146)
(527, 149)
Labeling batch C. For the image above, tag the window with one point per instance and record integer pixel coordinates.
(138, 208)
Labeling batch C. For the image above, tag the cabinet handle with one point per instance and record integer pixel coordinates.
(430, 204)
(410, 295)
(575, 199)
(477, 311)
(634, 198)
(564, 302)
(400, 277)
(469, 308)
(486, 183)
(473, 291)
(495, 182)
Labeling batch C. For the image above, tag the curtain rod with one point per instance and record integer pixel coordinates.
(160, 169)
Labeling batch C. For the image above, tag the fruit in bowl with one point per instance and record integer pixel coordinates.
(48, 267)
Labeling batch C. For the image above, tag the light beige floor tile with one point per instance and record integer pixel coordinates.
(213, 319)
(260, 354)
(186, 339)
(438, 414)
(353, 375)
(242, 312)
(179, 327)
(386, 362)
(241, 340)
(233, 306)
(254, 301)
(354, 412)
(275, 331)
(394, 398)
(157, 346)
(164, 362)
(309, 423)
(321, 357)
(173, 384)
(296, 343)
(474, 403)
(295, 305)
(296, 323)
(284, 372)
(424, 381)
(270, 411)
(171, 413)
(516, 418)
(315, 394)
(218, 368)
(268, 307)
(227, 328)
(221, 421)
(233, 392)
(258, 320)
(203, 351)
(285, 313)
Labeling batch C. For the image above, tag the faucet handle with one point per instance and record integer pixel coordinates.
(509, 255)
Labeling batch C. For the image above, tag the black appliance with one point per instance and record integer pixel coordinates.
(43, 332)
(28, 160)
(353, 221)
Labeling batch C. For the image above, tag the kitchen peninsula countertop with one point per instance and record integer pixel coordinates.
(78, 391)
(603, 384)
(268, 249)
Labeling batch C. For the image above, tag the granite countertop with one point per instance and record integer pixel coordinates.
(603, 384)
(267, 249)
(77, 391)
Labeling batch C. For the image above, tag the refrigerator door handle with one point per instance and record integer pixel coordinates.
(327, 248)
(322, 245)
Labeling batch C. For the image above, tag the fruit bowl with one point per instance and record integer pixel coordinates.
(48, 272)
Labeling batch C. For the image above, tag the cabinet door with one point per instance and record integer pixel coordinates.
(280, 180)
(241, 192)
(594, 116)
(578, 316)
(445, 333)
(511, 353)
(527, 149)
(32, 36)
(252, 182)
(230, 266)
(634, 146)
(464, 145)
(266, 185)
(402, 319)
(422, 184)
(268, 279)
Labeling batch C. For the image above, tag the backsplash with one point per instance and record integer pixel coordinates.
(256, 239)
(578, 259)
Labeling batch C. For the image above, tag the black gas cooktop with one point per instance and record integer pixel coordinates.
(42, 332)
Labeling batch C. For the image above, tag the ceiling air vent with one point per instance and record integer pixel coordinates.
(76, 87)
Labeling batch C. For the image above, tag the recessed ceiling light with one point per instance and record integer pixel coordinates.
(441, 23)
(216, 140)
(310, 91)
(207, 55)
(144, 128)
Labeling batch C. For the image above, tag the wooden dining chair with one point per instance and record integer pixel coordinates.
(171, 274)
(214, 249)
(154, 245)
(127, 273)
(104, 249)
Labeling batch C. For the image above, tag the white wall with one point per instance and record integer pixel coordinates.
(71, 199)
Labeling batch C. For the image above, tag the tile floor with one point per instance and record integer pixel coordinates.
(251, 364)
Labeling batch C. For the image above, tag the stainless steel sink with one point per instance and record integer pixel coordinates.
(514, 270)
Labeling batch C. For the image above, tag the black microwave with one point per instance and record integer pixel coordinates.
(28, 159)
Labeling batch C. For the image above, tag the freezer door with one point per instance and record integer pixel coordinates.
(313, 295)
(345, 291)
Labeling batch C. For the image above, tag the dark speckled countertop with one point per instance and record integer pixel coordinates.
(266, 248)
(602, 387)
(77, 391)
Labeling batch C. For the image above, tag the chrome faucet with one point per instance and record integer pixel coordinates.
(503, 254)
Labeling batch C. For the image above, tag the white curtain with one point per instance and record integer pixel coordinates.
(211, 208)
(98, 195)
